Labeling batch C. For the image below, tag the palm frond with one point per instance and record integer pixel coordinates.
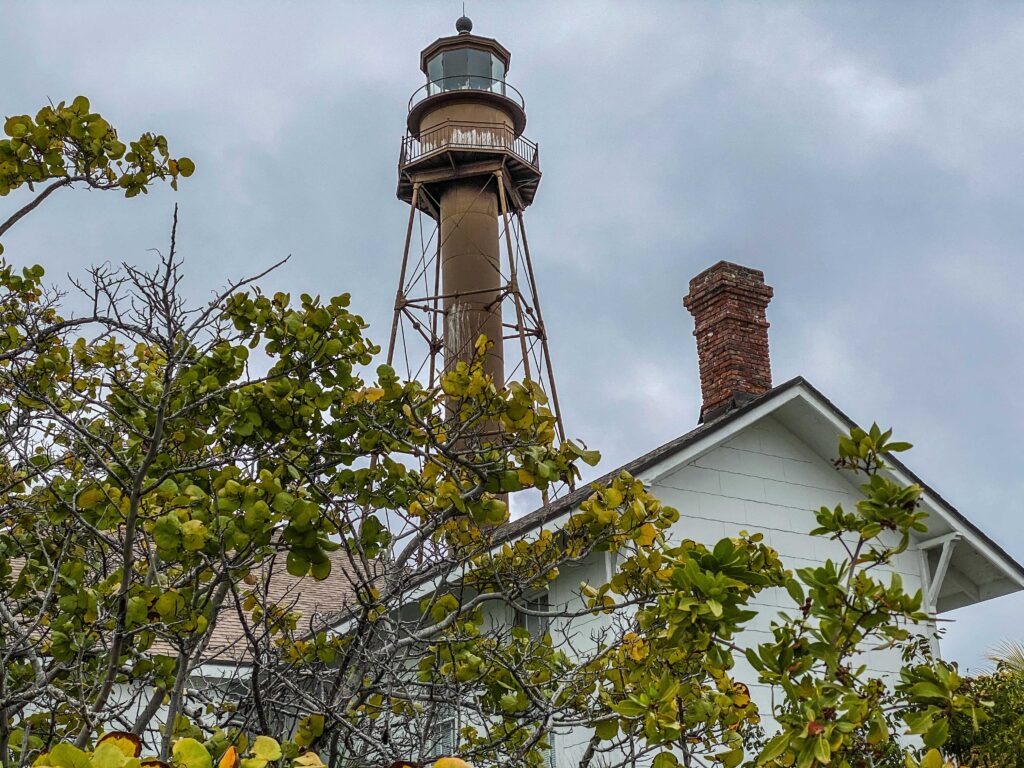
(1009, 655)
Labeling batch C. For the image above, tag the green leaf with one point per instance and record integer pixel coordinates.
(169, 605)
(90, 498)
(443, 606)
(918, 722)
(822, 751)
(186, 167)
(167, 535)
(629, 708)
(732, 758)
(310, 728)
(878, 729)
(773, 748)
(296, 564)
(320, 567)
(927, 690)
(936, 735)
(932, 760)
(283, 501)
(67, 756)
(897, 447)
(189, 753)
(109, 756)
(665, 760)
(193, 535)
(795, 591)
(607, 729)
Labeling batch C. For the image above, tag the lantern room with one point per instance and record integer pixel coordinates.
(465, 69)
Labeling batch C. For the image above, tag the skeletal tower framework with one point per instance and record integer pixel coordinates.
(468, 173)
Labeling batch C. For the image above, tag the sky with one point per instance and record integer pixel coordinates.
(868, 156)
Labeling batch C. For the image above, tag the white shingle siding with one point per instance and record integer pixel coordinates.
(763, 479)
(767, 480)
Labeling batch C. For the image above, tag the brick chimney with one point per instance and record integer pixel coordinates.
(728, 304)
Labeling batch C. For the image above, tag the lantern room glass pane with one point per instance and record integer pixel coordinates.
(497, 75)
(456, 69)
(434, 74)
(479, 69)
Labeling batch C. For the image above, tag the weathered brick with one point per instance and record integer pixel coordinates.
(728, 304)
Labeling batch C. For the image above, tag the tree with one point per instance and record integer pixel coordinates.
(153, 478)
(69, 144)
(999, 740)
(671, 686)
(165, 464)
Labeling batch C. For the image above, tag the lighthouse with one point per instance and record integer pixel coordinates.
(468, 173)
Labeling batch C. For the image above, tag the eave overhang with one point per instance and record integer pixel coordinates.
(961, 564)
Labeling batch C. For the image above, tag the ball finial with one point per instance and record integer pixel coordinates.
(464, 25)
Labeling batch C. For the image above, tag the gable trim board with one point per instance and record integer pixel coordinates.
(960, 564)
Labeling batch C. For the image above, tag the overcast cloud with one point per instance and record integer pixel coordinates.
(867, 156)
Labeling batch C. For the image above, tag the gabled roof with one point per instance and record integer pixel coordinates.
(229, 640)
(313, 600)
(978, 567)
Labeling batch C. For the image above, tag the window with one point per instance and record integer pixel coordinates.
(447, 731)
(537, 626)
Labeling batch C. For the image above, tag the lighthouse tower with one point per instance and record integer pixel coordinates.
(468, 173)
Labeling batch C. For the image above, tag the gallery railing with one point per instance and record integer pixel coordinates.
(466, 83)
(469, 136)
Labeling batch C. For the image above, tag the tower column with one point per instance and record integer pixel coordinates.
(471, 274)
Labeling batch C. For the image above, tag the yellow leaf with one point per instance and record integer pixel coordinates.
(635, 646)
(129, 744)
(612, 496)
(266, 748)
(646, 535)
(108, 755)
(741, 696)
(480, 345)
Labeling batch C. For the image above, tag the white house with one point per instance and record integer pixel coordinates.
(761, 460)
